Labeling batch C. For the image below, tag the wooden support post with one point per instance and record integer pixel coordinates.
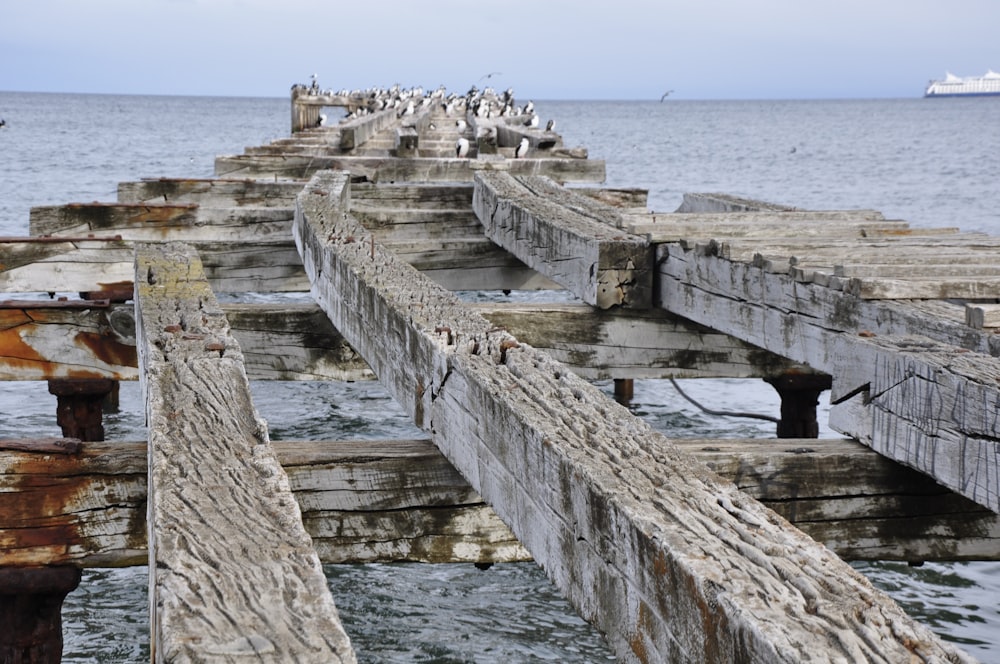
(624, 389)
(79, 408)
(799, 398)
(31, 601)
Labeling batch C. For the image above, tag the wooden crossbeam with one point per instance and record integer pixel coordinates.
(161, 221)
(211, 192)
(215, 487)
(420, 169)
(41, 340)
(85, 504)
(565, 240)
(668, 560)
(925, 384)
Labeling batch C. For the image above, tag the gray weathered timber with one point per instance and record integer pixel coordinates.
(628, 343)
(295, 341)
(33, 265)
(716, 202)
(355, 133)
(420, 169)
(560, 237)
(392, 500)
(212, 192)
(929, 383)
(215, 486)
(161, 221)
(670, 561)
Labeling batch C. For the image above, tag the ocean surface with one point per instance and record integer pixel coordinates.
(930, 162)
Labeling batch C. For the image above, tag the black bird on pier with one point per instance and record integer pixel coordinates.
(3, 123)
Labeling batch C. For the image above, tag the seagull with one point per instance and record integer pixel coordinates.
(462, 147)
(529, 107)
(521, 149)
(665, 95)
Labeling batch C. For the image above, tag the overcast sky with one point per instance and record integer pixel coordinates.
(544, 49)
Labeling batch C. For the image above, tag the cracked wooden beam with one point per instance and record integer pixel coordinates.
(667, 559)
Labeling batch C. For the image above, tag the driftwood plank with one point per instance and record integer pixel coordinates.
(561, 238)
(668, 560)
(222, 518)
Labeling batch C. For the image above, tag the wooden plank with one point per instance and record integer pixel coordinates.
(418, 169)
(598, 263)
(840, 334)
(88, 507)
(161, 221)
(211, 192)
(222, 518)
(640, 538)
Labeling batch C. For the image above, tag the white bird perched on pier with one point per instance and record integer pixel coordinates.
(529, 107)
(531, 122)
(462, 147)
(550, 125)
(461, 124)
(321, 122)
(521, 149)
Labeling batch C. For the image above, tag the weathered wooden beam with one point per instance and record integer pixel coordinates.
(420, 169)
(929, 382)
(563, 238)
(85, 339)
(42, 340)
(668, 560)
(212, 192)
(355, 133)
(68, 503)
(222, 517)
(161, 221)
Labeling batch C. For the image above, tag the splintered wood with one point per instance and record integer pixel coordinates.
(232, 571)
(668, 560)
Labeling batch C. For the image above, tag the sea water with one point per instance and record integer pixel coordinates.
(930, 162)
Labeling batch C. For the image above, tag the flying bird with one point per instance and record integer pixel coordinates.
(665, 95)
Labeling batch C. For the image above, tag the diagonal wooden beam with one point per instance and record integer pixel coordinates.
(668, 560)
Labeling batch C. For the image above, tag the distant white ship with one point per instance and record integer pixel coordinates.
(968, 86)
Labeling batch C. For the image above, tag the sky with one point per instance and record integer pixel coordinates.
(543, 49)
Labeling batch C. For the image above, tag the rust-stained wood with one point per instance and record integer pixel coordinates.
(564, 238)
(216, 487)
(393, 500)
(671, 562)
(42, 340)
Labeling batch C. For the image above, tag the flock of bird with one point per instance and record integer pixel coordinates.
(485, 103)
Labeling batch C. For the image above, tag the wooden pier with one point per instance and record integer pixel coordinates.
(676, 550)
